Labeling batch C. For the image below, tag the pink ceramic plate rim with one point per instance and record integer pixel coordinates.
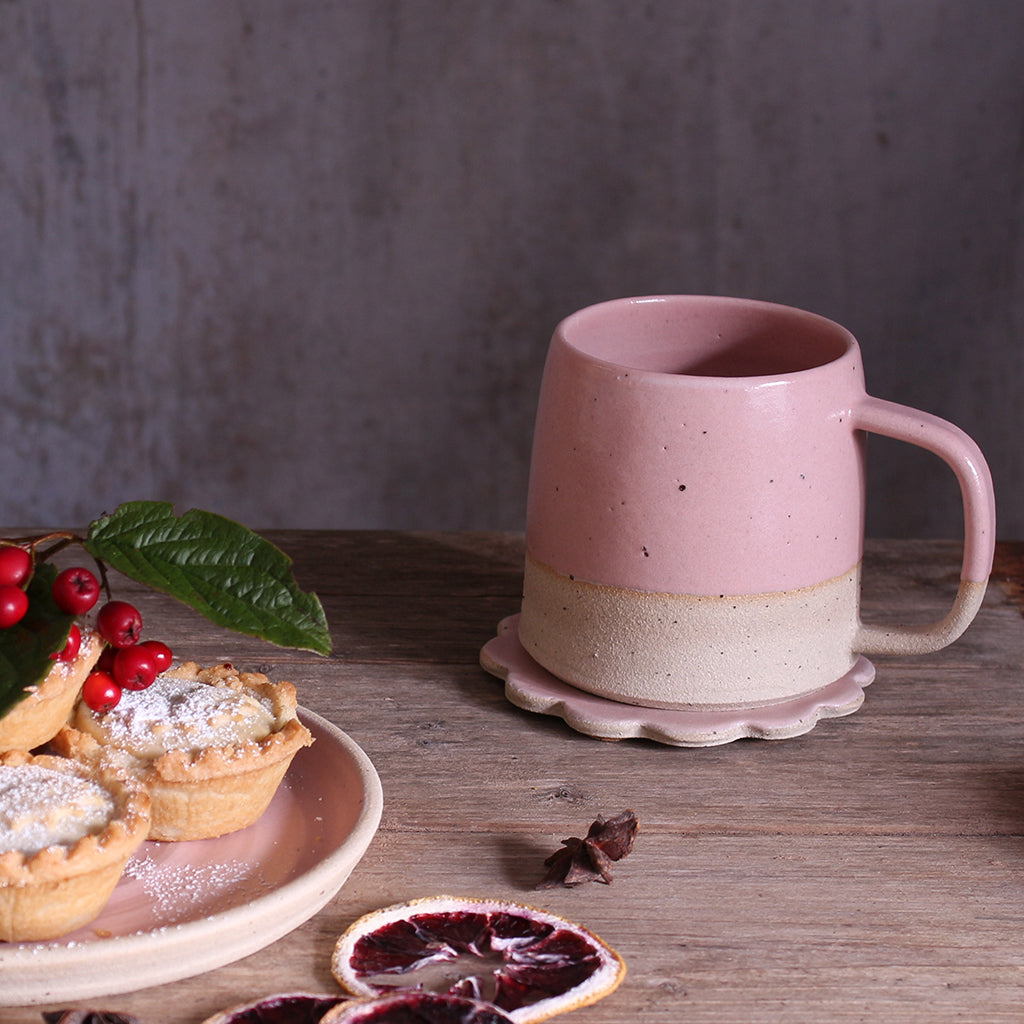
(234, 895)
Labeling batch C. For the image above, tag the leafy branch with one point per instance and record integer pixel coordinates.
(223, 570)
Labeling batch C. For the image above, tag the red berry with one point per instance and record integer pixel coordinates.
(100, 692)
(13, 605)
(119, 623)
(75, 591)
(105, 662)
(161, 653)
(134, 668)
(15, 565)
(72, 647)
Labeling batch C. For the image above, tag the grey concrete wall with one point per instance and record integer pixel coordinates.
(298, 262)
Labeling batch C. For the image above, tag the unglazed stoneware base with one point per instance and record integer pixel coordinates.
(533, 688)
(688, 652)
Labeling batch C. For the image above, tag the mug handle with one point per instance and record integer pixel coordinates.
(955, 448)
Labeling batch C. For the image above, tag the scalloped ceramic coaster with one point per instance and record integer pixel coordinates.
(533, 688)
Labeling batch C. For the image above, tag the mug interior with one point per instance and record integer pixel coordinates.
(706, 336)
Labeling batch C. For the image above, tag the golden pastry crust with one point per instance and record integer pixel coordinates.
(47, 893)
(199, 793)
(38, 717)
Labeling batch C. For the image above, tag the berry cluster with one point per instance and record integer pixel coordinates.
(127, 661)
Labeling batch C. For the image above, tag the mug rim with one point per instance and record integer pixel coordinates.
(808, 319)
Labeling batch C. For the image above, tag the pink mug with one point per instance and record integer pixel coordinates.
(695, 519)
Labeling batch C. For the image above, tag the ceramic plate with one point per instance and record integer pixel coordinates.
(182, 909)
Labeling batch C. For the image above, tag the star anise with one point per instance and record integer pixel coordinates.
(590, 859)
(88, 1017)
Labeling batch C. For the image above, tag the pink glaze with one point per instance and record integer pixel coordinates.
(702, 445)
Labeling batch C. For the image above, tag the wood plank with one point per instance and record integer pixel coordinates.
(869, 870)
(713, 929)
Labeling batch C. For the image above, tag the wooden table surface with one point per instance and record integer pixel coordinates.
(871, 870)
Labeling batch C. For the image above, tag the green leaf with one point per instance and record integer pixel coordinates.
(222, 569)
(26, 648)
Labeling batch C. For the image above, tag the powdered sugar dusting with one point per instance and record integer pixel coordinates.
(41, 807)
(176, 888)
(183, 714)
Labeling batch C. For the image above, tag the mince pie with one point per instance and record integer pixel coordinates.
(210, 745)
(39, 716)
(66, 832)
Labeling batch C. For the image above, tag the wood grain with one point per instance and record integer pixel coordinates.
(868, 871)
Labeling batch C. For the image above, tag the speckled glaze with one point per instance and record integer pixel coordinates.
(695, 518)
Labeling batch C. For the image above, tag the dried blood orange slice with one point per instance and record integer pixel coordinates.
(281, 1008)
(529, 962)
(417, 1008)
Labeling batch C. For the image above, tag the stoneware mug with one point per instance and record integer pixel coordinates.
(695, 518)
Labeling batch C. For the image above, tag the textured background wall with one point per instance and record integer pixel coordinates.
(299, 262)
